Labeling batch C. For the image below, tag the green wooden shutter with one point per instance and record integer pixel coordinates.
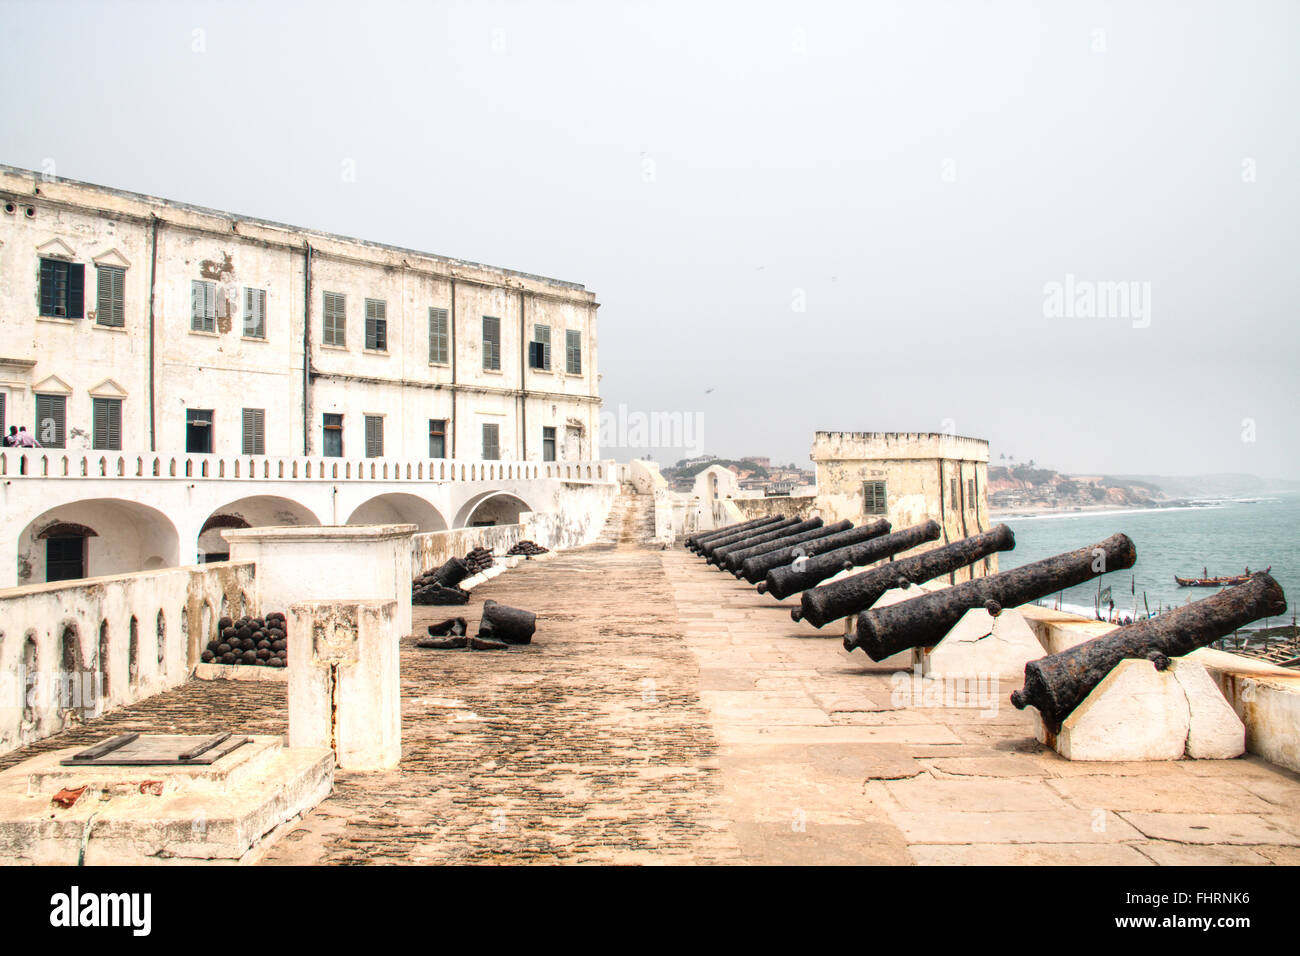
(255, 313)
(76, 290)
(51, 420)
(109, 284)
(254, 431)
(106, 430)
(491, 442)
(491, 343)
(374, 436)
(573, 351)
(438, 344)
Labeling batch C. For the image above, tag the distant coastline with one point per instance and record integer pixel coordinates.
(1052, 511)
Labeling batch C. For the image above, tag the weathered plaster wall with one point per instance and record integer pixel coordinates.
(926, 475)
(127, 637)
(802, 507)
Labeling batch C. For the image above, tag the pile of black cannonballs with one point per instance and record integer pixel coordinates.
(259, 641)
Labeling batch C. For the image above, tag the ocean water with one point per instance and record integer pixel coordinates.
(1223, 536)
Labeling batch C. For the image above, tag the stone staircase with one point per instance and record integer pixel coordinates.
(631, 520)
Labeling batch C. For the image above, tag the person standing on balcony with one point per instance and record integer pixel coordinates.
(11, 440)
(26, 439)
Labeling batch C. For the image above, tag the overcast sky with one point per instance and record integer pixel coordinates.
(796, 216)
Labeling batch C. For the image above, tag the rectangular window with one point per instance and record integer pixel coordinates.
(952, 482)
(491, 343)
(51, 420)
(334, 319)
(203, 306)
(374, 436)
(2, 414)
(332, 443)
(573, 352)
(254, 442)
(255, 313)
(106, 423)
(198, 431)
(110, 297)
(548, 444)
(63, 289)
(377, 325)
(970, 492)
(539, 349)
(437, 438)
(873, 498)
(439, 337)
(491, 442)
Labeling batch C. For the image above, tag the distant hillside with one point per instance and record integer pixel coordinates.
(1020, 486)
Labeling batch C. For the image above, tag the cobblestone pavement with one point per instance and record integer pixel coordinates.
(588, 746)
(828, 757)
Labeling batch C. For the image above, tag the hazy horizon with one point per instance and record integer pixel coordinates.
(795, 217)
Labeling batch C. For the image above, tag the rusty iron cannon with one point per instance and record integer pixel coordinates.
(1059, 683)
(923, 621)
(755, 568)
(709, 547)
(830, 602)
(719, 555)
(735, 558)
(804, 574)
(694, 541)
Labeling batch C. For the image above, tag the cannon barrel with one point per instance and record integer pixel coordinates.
(719, 555)
(801, 575)
(755, 567)
(830, 602)
(923, 621)
(694, 541)
(1057, 684)
(709, 547)
(736, 557)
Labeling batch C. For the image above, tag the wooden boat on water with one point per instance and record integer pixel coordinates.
(1225, 581)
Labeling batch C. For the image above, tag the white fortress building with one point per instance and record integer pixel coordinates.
(186, 370)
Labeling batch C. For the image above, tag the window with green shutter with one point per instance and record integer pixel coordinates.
(334, 319)
(110, 296)
(255, 313)
(254, 431)
(548, 443)
(203, 306)
(106, 424)
(491, 442)
(439, 337)
(376, 325)
(374, 436)
(51, 420)
(63, 289)
(873, 498)
(573, 352)
(332, 426)
(491, 343)
(539, 349)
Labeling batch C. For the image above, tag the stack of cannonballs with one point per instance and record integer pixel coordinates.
(527, 548)
(478, 560)
(257, 641)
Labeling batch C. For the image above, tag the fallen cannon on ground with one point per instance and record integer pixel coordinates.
(755, 568)
(923, 621)
(709, 548)
(801, 575)
(694, 541)
(446, 635)
(830, 602)
(736, 558)
(1059, 683)
(720, 554)
(509, 624)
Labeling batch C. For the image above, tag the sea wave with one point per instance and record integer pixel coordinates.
(1104, 514)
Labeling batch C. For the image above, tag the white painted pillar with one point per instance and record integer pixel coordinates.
(333, 563)
(344, 687)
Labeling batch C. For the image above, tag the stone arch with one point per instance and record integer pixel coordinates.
(255, 511)
(72, 667)
(120, 537)
(499, 507)
(399, 508)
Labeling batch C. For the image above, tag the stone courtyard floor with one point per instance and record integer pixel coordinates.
(667, 713)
